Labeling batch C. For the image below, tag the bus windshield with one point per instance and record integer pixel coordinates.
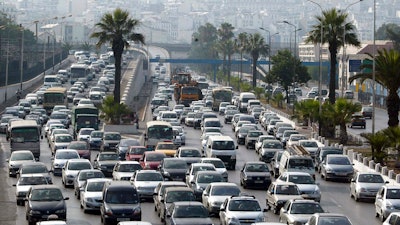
(223, 95)
(25, 134)
(160, 132)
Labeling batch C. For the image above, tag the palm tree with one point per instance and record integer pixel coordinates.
(379, 142)
(117, 28)
(256, 46)
(240, 46)
(342, 112)
(334, 25)
(387, 74)
(225, 44)
(306, 111)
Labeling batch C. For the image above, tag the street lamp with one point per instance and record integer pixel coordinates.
(373, 73)
(344, 68)
(295, 34)
(320, 69)
(21, 63)
(269, 45)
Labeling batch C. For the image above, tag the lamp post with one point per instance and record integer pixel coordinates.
(320, 69)
(21, 64)
(373, 72)
(269, 45)
(295, 34)
(344, 60)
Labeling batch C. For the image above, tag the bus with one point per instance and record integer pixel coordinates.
(25, 135)
(54, 96)
(157, 131)
(78, 70)
(221, 95)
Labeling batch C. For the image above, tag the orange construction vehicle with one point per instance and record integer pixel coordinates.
(186, 89)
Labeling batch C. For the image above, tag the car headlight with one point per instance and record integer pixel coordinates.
(389, 206)
(61, 211)
(260, 218)
(233, 157)
(108, 211)
(166, 174)
(328, 169)
(89, 200)
(248, 178)
(70, 176)
(34, 212)
(216, 203)
(137, 211)
(233, 221)
(224, 174)
(362, 189)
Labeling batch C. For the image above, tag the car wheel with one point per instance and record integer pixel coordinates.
(356, 198)
(276, 212)
(244, 185)
(382, 217)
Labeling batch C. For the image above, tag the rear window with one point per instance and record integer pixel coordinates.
(122, 196)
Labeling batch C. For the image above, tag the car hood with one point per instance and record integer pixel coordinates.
(307, 187)
(258, 174)
(146, 183)
(219, 198)
(370, 186)
(193, 221)
(122, 208)
(124, 174)
(394, 202)
(287, 197)
(71, 172)
(300, 217)
(182, 171)
(190, 160)
(107, 163)
(340, 167)
(93, 194)
(51, 205)
(246, 214)
(22, 188)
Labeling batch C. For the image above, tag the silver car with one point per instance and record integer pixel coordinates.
(60, 158)
(299, 211)
(305, 182)
(91, 196)
(365, 185)
(71, 170)
(25, 182)
(145, 181)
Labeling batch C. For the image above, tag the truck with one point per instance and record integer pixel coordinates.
(186, 90)
(84, 117)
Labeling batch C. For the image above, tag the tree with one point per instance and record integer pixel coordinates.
(390, 31)
(284, 65)
(256, 46)
(342, 112)
(203, 45)
(117, 29)
(379, 142)
(306, 111)
(112, 111)
(240, 47)
(334, 26)
(387, 74)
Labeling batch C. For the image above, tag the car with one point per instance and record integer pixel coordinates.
(392, 219)
(124, 170)
(189, 120)
(63, 117)
(268, 149)
(35, 168)
(328, 218)
(348, 94)
(294, 139)
(173, 169)
(159, 192)
(24, 183)
(71, 170)
(215, 194)
(228, 115)
(61, 141)
(189, 154)
(134, 153)
(60, 158)
(187, 212)
(82, 147)
(255, 174)
(120, 202)
(84, 134)
(43, 201)
(91, 194)
(305, 182)
(202, 179)
(124, 145)
(145, 181)
(195, 167)
(251, 138)
(82, 177)
(174, 195)
(365, 185)
(105, 161)
(337, 166)
(241, 209)
(279, 193)
(357, 120)
(310, 145)
(168, 148)
(260, 140)
(110, 141)
(55, 131)
(322, 152)
(150, 160)
(95, 139)
(274, 164)
(219, 166)
(366, 111)
(17, 159)
(387, 201)
(298, 211)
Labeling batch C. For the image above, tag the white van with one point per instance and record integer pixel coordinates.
(50, 80)
(296, 159)
(243, 100)
(224, 148)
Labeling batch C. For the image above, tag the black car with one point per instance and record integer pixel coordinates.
(255, 174)
(43, 201)
(357, 120)
(366, 111)
(105, 161)
(173, 169)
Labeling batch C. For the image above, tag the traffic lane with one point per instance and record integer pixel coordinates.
(381, 120)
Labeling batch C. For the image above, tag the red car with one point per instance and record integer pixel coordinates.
(151, 160)
(134, 153)
(82, 147)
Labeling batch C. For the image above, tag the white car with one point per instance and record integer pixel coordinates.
(195, 167)
(60, 158)
(215, 194)
(219, 166)
(85, 102)
(305, 182)
(365, 185)
(294, 139)
(24, 183)
(72, 168)
(84, 134)
(91, 196)
(145, 181)
(18, 158)
(61, 141)
(124, 170)
(239, 208)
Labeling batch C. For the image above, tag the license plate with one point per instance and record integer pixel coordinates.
(341, 174)
(258, 181)
(123, 219)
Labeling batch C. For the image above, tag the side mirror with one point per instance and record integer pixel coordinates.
(353, 180)
(265, 210)
(237, 147)
(283, 211)
(66, 198)
(41, 136)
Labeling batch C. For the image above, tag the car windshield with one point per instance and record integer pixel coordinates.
(209, 178)
(223, 145)
(272, 145)
(21, 156)
(174, 164)
(128, 142)
(78, 146)
(112, 137)
(110, 156)
(244, 205)
(85, 132)
(95, 186)
(34, 169)
(166, 146)
(216, 163)
(79, 166)
(32, 181)
(129, 167)
(190, 153)
(338, 161)
(370, 178)
(178, 196)
(117, 197)
(46, 195)
(257, 168)
(287, 190)
(137, 151)
(393, 194)
(334, 220)
(225, 191)
(63, 138)
(96, 134)
(301, 163)
(154, 157)
(309, 144)
(195, 211)
(306, 208)
(67, 155)
(301, 179)
(149, 177)
(90, 174)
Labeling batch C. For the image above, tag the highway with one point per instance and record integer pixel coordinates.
(335, 195)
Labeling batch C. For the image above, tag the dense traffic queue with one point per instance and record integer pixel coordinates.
(187, 184)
